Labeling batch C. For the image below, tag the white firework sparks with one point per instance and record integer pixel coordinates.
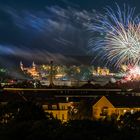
(119, 37)
(124, 45)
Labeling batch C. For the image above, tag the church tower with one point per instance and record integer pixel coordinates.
(33, 65)
(21, 66)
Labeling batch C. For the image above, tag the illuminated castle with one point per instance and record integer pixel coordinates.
(103, 71)
(32, 71)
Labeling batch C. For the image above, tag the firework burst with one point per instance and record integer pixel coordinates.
(115, 37)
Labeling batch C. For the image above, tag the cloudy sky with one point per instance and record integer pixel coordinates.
(41, 30)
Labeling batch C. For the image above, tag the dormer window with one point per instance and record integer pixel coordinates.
(54, 106)
(104, 111)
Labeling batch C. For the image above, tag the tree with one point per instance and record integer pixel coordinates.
(129, 120)
(83, 110)
(23, 111)
(30, 111)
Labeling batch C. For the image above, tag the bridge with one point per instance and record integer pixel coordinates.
(64, 89)
(54, 93)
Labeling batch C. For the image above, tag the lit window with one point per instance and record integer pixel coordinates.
(45, 106)
(104, 111)
(124, 110)
(54, 106)
(63, 117)
(63, 107)
(132, 111)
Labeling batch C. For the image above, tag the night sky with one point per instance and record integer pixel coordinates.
(41, 30)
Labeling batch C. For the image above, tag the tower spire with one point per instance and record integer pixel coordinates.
(33, 65)
(21, 65)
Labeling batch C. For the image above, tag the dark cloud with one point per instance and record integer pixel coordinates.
(31, 29)
(54, 32)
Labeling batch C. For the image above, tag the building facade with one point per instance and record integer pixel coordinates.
(101, 108)
(58, 110)
(107, 107)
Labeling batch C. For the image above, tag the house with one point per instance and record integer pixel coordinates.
(58, 110)
(119, 105)
(102, 107)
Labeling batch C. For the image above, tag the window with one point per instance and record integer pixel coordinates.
(45, 107)
(124, 111)
(132, 111)
(95, 112)
(104, 111)
(54, 106)
(63, 107)
(63, 117)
